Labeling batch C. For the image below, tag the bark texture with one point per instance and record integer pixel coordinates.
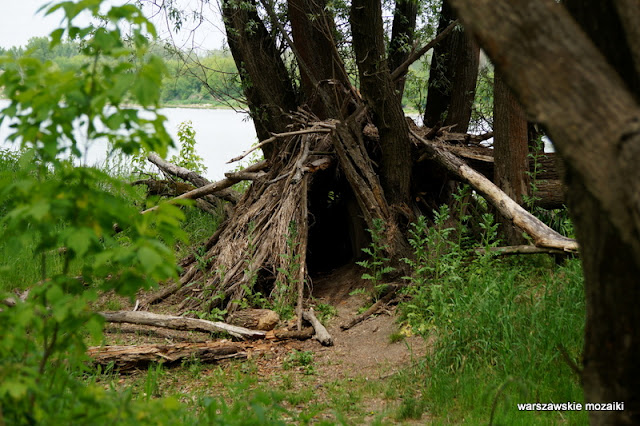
(378, 91)
(511, 152)
(404, 25)
(452, 77)
(265, 79)
(566, 84)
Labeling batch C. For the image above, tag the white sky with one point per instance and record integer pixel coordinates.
(19, 21)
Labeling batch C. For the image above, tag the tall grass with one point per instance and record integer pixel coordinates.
(499, 329)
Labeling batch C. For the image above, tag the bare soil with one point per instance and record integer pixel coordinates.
(365, 352)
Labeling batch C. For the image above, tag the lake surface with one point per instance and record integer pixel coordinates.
(221, 134)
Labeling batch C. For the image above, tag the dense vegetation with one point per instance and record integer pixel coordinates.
(499, 327)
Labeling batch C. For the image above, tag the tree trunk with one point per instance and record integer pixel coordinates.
(510, 153)
(404, 25)
(378, 91)
(452, 77)
(312, 30)
(566, 84)
(265, 80)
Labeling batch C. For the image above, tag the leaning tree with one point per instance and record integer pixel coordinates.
(340, 156)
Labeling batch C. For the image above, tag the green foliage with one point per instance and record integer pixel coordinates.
(285, 291)
(53, 206)
(377, 265)
(188, 157)
(300, 359)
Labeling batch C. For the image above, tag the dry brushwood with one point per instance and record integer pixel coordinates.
(266, 235)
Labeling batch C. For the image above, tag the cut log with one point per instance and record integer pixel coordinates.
(542, 235)
(322, 335)
(128, 357)
(181, 323)
(257, 319)
(371, 311)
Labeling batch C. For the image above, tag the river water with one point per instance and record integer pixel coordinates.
(221, 134)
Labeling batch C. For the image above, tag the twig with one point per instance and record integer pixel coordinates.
(276, 136)
(372, 310)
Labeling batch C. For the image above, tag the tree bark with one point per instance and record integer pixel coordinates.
(510, 153)
(566, 84)
(257, 319)
(265, 79)
(312, 29)
(452, 77)
(404, 25)
(136, 356)
(378, 91)
(181, 323)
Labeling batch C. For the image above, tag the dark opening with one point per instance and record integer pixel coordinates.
(335, 223)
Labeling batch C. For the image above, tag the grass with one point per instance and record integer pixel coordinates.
(498, 327)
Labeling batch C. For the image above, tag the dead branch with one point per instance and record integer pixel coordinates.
(128, 357)
(197, 180)
(524, 249)
(213, 187)
(322, 335)
(401, 71)
(371, 311)
(181, 323)
(542, 235)
(274, 137)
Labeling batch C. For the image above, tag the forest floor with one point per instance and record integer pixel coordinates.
(359, 380)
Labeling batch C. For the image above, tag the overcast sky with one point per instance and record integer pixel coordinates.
(19, 21)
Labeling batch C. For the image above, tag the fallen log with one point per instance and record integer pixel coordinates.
(542, 235)
(128, 357)
(371, 311)
(322, 335)
(524, 249)
(181, 323)
(257, 319)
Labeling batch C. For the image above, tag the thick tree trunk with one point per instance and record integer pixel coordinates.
(566, 84)
(510, 153)
(452, 77)
(404, 25)
(312, 30)
(265, 80)
(378, 91)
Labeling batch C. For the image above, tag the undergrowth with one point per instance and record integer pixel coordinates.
(498, 327)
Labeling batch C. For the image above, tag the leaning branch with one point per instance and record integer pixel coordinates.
(215, 186)
(322, 335)
(181, 323)
(542, 235)
(401, 71)
(277, 136)
(190, 176)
